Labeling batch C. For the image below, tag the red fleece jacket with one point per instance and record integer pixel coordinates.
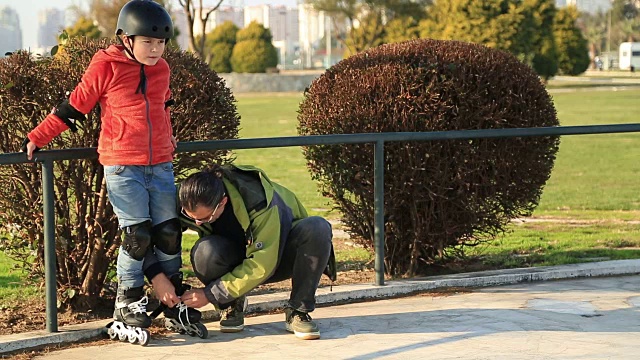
(136, 128)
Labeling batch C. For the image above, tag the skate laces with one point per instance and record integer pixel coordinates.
(139, 306)
(302, 316)
(183, 308)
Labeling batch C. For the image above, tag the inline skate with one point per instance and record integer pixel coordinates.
(130, 319)
(180, 318)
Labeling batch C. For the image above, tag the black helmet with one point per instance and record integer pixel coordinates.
(144, 18)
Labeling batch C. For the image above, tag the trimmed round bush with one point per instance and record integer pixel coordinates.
(439, 195)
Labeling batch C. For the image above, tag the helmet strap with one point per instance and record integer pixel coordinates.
(126, 49)
(142, 86)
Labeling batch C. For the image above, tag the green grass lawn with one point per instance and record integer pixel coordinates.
(596, 172)
(591, 204)
(587, 211)
(12, 289)
(594, 178)
(276, 116)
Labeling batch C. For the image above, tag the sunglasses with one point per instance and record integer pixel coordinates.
(204, 220)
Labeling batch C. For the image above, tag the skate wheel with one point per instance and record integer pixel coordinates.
(144, 337)
(133, 337)
(112, 334)
(122, 337)
(202, 331)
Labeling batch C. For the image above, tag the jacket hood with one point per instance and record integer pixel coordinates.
(114, 53)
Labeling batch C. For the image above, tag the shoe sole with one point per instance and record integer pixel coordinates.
(304, 335)
(231, 329)
(307, 336)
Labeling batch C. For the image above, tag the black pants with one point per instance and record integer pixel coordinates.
(304, 259)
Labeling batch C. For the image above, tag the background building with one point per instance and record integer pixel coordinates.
(590, 6)
(50, 24)
(227, 13)
(10, 31)
(180, 23)
(284, 24)
(314, 25)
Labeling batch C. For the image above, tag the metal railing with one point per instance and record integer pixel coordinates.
(378, 139)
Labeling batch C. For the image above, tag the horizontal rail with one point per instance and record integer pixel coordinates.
(378, 139)
(334, 139)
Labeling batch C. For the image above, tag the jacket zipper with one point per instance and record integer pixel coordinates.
(146, 102)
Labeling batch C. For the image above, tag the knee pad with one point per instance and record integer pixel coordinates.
(137, 239)
(167, 236)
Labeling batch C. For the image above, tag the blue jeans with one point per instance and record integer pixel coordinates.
(138, 194)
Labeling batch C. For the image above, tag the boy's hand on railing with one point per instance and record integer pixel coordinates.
(29, 147)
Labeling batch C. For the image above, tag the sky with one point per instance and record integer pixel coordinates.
(28, 12)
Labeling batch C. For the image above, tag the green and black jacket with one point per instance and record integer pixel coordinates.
(266, 211)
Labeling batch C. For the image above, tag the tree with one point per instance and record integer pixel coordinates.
(523, 28)
(254, 31)
(105, 13)
(193, 13)
(545, 61)
(223, 33)
(573, 50)
(362, 33)
(544, 58)
(494, 23)
(594, 29)
(625, 22)
(84, 27)
(219, 44)
(401, 29)
(220, 57)
(253, 52)
(369, 33)
(629, 29)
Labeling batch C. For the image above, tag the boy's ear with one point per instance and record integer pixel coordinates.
(126, 40)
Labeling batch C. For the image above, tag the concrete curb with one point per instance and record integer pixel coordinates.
(350, 293)
(41, 338)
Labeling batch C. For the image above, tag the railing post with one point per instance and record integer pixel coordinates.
(49, 247)
(378, 209)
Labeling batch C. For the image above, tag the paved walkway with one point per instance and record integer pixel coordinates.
(590, 318)
(582, 311)
(530, 313)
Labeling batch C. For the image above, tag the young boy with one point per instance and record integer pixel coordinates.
(130, 81)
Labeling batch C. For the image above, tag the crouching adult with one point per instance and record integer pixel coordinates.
(253, 231)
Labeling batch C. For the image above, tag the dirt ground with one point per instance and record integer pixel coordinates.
(31, 316)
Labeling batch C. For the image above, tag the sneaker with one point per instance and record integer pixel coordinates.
(232, 318)
(301, 325)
